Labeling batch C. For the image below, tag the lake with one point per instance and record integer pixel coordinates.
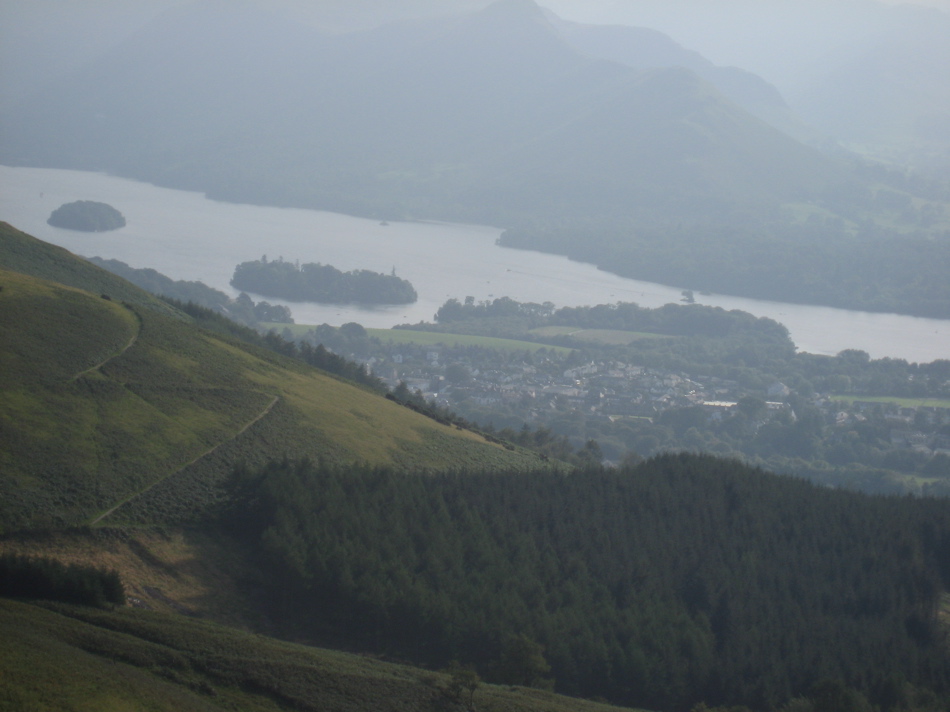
(186, 236)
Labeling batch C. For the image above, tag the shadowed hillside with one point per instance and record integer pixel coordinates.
(65, 657)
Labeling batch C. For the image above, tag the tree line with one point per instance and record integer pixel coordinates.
(49, 579)
(242, 309)
(663, 584)
(672, 319)
(869, 267)
(317, 356)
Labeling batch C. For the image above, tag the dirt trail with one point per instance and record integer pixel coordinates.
(207, 452)
(118, 353)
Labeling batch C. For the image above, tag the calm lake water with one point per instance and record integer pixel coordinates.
(186, 236)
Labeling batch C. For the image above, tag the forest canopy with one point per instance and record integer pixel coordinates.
(315, 282)
(682, 579)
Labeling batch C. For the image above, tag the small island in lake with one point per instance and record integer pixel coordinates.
(87, 216)
(321, 283)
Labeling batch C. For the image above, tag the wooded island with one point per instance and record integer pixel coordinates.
(87, 216)
(315, 282)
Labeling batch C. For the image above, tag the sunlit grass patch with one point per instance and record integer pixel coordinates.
(613, 337)
(433, 338)
(894, 400)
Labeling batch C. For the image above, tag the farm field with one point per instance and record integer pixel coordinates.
(611, 337)
(895, 400)
(432, 338)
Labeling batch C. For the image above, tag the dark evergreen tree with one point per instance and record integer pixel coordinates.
(680, 579)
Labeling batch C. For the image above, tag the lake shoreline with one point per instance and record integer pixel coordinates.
(187, 235)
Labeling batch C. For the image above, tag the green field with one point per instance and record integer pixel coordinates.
(434, 338)
(894, 400)
(611, 337)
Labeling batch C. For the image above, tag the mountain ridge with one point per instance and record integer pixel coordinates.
(646, 48)
(481, 84)
(478, 119)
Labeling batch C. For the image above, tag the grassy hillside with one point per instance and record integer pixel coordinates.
(107, 403)
(23, 253)
(58, 657)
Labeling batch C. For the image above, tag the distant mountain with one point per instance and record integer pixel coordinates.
(869, 73)
(888, 93)
(644, 48)
(609, 137)
(426, 119)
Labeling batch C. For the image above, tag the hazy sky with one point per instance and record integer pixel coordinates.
(941, 4)
(776, 39)
(578, 6)
(772, 38)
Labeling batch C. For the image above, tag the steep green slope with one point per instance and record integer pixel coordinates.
(23, 253)
(61, 657)
(105, 403)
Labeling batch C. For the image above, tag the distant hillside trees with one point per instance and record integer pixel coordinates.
(87, 216)
(674, 319)
(242, 310)
(315, 282)
(869, 267)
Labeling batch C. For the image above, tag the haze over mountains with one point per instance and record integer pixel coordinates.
(831, 62)
(492, 115)
(868, 73)
(601, 143)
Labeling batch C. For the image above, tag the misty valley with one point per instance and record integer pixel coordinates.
(475, 355)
